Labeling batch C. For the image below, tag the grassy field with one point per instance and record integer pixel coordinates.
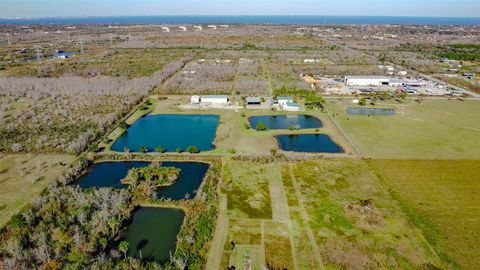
(356, 223)
(441, 197)
(434, 129)
(248, 193)
(23, 177)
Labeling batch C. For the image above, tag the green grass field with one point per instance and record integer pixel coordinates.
(356, 223)
(442, 199)
(435, 129)
(23, 177)
(248, 195)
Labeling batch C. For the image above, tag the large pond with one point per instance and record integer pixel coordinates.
(286, 121)
(370, 111)
(152, 235)
(169, 131)
(312, 143)
(110, 174)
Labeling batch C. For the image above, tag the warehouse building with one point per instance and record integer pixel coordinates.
(366, 80)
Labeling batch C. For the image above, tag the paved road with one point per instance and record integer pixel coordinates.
(468, 92)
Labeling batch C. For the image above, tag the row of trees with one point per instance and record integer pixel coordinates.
(65, 114)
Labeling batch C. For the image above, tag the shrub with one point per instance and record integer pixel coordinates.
(260, 126)
(123, 125)
(246, 125)
(144, 149)
(193, 149)
(179, 150)
(160, 149)
(232, 151)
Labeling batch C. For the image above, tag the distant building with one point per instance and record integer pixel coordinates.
(62, 54)
(402, 73)
(395, 83)
(282, 101)
(366, 80)
(253, 101)
(195, 99)
(310, 61)
(214, 99)
(291, 107)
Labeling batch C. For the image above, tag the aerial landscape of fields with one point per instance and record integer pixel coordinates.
(239, 142)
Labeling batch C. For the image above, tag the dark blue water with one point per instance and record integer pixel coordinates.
(191, 177)
(110, 174)
(287, 20)
(370, 111)
(169, 131)
(286, 121)
(152, 235)
(312, 143)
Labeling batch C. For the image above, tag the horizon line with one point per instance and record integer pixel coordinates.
(236, 15)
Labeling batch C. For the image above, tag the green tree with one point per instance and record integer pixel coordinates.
(144, 149)
(123, 125)
(160, 149)
(123, 247)
(179, 150)
(193, 149)
(362, 102)
(260, 126)
(103, 242)
(314, 101)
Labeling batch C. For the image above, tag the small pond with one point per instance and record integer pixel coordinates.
(169, 131)
(152, 235)
(109, 174)
(370, 111)
(286, 121)
(312, 143)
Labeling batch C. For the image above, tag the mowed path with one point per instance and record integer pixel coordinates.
(278, 198)
(220, 236)
(305, 218)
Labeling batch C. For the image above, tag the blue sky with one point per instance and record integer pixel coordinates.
(47, 8)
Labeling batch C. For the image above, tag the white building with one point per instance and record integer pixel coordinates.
(214, 99)
(291, 107)
(214, 27)
(310, 61)
(195, 99)
(166, 29)
(366, 80)
(183, 28)
(198, 28)
(402, 73)
(282, 101)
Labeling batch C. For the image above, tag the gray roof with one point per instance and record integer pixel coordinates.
(253, 99)
(284, 98)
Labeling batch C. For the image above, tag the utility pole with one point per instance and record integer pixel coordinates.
(68, 33)
(81, 46)
(37, 49)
